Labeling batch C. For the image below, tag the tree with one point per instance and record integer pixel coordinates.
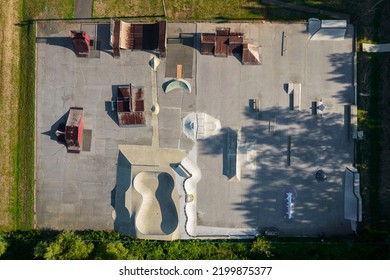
(40, 250)
(262, 246)
(3, 246)
(67, 246)
(112, 251)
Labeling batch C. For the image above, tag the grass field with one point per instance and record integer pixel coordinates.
(346, 6)
(47, 9)
(9, 70)
(194, 9)
(17, 91)
(209, 9)
(124, 8)
(24, 157)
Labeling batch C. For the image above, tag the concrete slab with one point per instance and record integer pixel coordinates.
(65, 81)
(83, 9)
(279, 148)
(181, 52)
(223, 90)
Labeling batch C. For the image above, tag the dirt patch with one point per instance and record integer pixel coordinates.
(9, 72)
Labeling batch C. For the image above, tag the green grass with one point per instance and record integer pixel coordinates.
(22, 206)
(344, 6)
(195, 10)
(348, 247)
(47, 9)
(125, 8)
(23, 190)
(229, 10)
(209, 9)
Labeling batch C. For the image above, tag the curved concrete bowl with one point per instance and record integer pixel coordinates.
(157, 213)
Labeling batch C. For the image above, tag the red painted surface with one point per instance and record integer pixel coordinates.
(80, 130)
(81, 42)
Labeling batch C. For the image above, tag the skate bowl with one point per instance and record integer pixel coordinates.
(177, 84)
(157, 213)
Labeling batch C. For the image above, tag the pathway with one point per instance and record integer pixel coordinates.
(83, 9)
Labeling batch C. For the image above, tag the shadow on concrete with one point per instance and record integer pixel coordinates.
(180, 51)
(169, 216)
(319, 142)
(101, 42)
(214, 145)
(165, 84)
(103, 38)
(316, 142)
(124, 221)
(342, 64)
(60, 127)
(64, 42)
(191, 40)
(110, 106)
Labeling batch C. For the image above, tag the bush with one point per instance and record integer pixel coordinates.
(3, 246)
(261, 246)
(67, 246)
(112, 251)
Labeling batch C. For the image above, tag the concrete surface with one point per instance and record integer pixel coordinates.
(157, 215)
(74, 190)
(146, 196)
(223, 90)
(376, 47)
(83, 9)
(81, 191)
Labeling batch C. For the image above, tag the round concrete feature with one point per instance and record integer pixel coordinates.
(157, 214)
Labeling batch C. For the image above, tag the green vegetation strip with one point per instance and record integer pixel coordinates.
(195, 10)
(47, 9)
(348, 6)
(125, 8)
(23, 194)
(237, 10)
(22, 208)
(112, 245)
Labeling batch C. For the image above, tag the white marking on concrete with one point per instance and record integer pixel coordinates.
(376, 47)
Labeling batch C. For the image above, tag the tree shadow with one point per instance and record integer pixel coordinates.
(273, 160)
(316, 145)
(343, 73)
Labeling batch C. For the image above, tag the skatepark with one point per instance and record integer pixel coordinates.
(223, 144)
